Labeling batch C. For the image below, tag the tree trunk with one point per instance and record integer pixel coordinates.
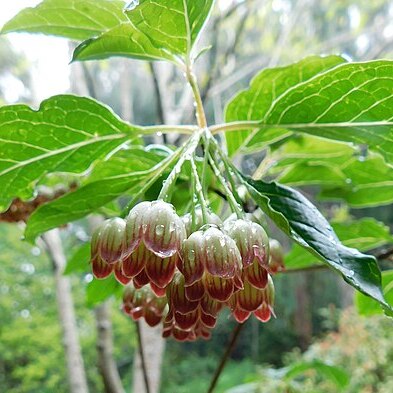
(65, 305)
(303, 318)
(106, 363)
(153, 349)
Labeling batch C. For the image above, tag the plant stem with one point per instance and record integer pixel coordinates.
(200, 112)
(228, 168)
(235, 126)
(191, 145)
(156, 172)
(225, 356)
(168, 129)
(199, 191)
(142, 356)
(231, 199)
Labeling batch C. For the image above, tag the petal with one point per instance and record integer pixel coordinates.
(135, 262)
(263, 313)
(208, 320)
(192, 262)
(163, 229)
(210, 306)
(256, 275)
(151, 318)
(134, 226)
(195, 291)
(250, 298)
(100, 268)
(160, 270)
(240, 315)
(111, 243)
(222, 255)
(218, 288)
(160, 292)
(119, 275)
(186, 321)
(141, 280)
(177, 297)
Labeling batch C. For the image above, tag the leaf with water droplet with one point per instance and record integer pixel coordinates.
(302, 221)
(131, 5)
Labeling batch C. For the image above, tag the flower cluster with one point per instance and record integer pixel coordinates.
(195, 265)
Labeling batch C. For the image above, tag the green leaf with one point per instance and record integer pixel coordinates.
(350, 102)
(333, 373)
(173, 25)
(79, 261)
(123, 40)
(74, 19)
(265, 90)
(98, 291)
(367, 306)
(364, 234)
(312, 150)
(368, 183)
(66, 134)
(302, 221)
(156, 30)
(111, 179)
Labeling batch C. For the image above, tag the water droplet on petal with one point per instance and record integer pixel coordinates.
(160, 230)
(191, 255)
(351, 273)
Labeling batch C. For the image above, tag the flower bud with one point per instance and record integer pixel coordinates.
(141, 303)
(222, 257)
(192, 262)
(110, 240)
(163, 229)
(134, 226)
(212, 219)
(251, 240)
(276, 263)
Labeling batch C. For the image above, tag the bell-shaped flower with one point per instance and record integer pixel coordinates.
(142, 303)
(276, 262)
(163, 229)
(251, 240)
(211, 256)
(134, 226)
(111, 240)
(253, 300)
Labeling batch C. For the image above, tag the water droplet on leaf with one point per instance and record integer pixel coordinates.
(131, 5)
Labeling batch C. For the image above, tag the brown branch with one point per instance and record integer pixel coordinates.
(235, 335)
(142, 356)
(20, 211)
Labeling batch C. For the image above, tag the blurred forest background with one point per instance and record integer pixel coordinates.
(318, 343)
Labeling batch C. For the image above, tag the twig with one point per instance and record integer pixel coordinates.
(225, 356)
(142, 356)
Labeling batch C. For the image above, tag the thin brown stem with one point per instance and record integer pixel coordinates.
(142, 356)
(225, 356)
